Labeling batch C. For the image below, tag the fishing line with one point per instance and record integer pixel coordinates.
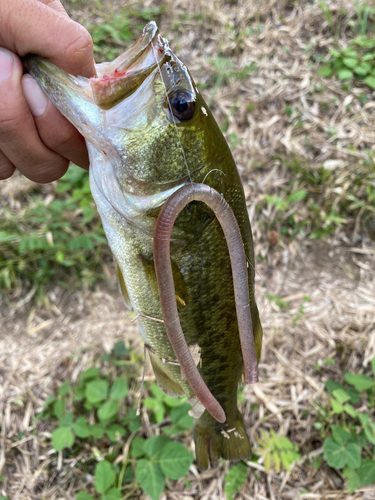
(170, 110)
(213, 170)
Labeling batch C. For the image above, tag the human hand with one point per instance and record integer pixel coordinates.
(34, 137)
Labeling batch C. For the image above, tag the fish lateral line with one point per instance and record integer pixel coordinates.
(162, 259)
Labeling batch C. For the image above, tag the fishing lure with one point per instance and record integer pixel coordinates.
(164, 273)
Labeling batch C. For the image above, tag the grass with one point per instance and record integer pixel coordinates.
(60, 241)
(111, 36)
(319, 202)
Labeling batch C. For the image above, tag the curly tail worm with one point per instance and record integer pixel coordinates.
(163, 267)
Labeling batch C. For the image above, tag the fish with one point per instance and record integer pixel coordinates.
(151, 139)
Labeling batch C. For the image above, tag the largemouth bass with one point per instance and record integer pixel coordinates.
(149, 133)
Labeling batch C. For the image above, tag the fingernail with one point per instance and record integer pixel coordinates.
(35, 97)
(6, 64)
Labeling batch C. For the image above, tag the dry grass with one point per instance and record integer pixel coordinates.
(40, 348)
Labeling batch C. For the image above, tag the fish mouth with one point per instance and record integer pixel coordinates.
(118, 79)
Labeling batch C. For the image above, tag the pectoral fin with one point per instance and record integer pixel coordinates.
(182, 296)
(122, 286)
(169, 386)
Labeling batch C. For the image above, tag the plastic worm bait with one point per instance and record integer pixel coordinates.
(163, 267)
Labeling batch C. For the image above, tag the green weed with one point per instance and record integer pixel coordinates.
(278, 451)
(301, 310)
(356, 62)
(277, 300)
(224, 72)
(364, 21)
(234, 141)
(113, 35)
(61, 241)
(283, 204)
(224, 127)
(234, 480)
(361, 20)
(320, 200)
(326, 12)
(99, 413)
(349, 446)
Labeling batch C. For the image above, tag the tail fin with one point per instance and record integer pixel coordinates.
(213, 440)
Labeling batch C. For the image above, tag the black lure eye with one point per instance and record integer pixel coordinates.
(182, 104)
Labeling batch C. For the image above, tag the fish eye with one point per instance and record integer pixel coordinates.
(182, 104)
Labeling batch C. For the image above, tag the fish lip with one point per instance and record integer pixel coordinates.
(117, 80)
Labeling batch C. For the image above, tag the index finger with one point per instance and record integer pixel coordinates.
(31, 26)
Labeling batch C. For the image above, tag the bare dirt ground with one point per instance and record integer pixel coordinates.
(40, 348)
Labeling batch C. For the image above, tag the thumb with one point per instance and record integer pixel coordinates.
(46, 30)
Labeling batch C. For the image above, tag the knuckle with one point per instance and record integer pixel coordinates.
(80, 50)
(87, 44)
